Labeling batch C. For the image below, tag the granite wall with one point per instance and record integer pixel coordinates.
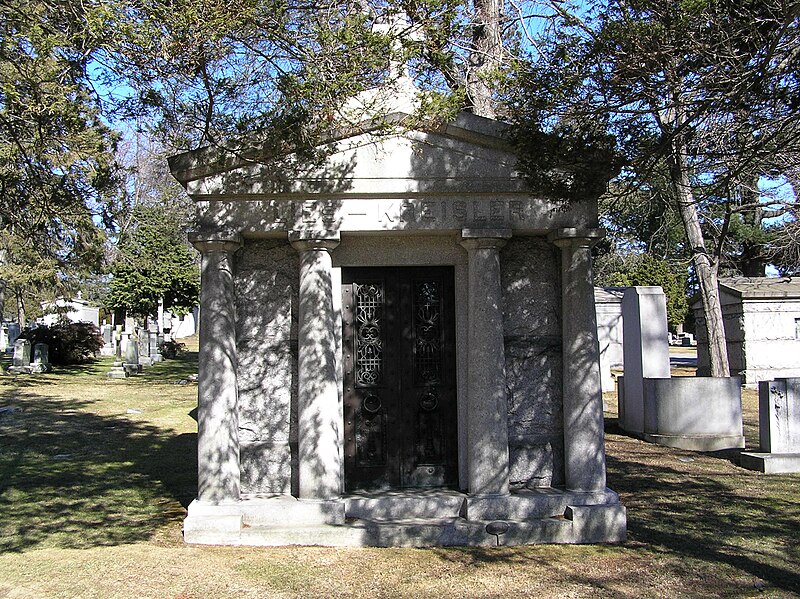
(532, 330)
(266, 284)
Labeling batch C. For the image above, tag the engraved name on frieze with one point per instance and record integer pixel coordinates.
(426, 212)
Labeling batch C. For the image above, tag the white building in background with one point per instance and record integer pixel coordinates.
(608, 307)
(74, 310)
(762, 327)
(181, 326)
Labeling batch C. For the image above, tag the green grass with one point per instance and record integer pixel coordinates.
(95, 475)
(88, 461)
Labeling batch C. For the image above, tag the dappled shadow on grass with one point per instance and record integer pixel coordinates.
(71, 478)
(94, 367)
(174, 371)
(579, 571)
(702, 507)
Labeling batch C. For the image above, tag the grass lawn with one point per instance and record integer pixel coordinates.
(95, 475)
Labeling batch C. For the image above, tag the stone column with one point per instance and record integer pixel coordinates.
(217, 410)
(487, 414)
(584, 446)
(318, 414)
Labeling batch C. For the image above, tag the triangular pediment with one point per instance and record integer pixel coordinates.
(467, 155)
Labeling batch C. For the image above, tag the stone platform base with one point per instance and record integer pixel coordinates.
(36, 368)
(771, 463)
(697, 442)
(403, 519)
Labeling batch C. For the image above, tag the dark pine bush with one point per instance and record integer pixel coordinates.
(69, 342)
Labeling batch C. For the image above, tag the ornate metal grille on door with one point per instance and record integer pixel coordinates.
(370, 417)
(369, 343)
(400, 424)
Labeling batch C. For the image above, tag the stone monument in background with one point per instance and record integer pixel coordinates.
(778, 428)
(645, 344)
(695, 413)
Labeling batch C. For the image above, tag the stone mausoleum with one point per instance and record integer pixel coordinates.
(398, 347)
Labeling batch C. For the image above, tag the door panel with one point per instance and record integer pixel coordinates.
(399, 383)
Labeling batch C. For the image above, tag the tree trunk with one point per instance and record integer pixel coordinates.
(705, 267)
(752, 262)
(20, 310)
(486, 56)
(3, 285)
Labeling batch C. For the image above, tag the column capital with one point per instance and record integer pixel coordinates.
(314, 240)
(215, 241)
(474, 239)
(571, 236)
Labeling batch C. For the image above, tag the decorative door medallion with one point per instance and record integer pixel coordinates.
(399, 379)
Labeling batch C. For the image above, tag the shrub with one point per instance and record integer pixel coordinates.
(170, 349)
(69, 342)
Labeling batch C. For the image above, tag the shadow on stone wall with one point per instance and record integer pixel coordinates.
(267, 282)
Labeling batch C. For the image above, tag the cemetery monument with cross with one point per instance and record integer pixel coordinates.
(398, 346)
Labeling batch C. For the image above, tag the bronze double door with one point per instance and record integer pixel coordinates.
(399, 378)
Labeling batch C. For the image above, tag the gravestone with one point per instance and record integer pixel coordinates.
(778, 428)
(21, 361)
(13, 333)
(646, 351)
(118, 370)
(695, 413)
(155, 354)
(41, 358)
(108, 348)
(143, 346)
(130, 347)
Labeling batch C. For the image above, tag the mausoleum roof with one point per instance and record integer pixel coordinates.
(395, 172)
(465, 127)
(761, 287)
(608, 295)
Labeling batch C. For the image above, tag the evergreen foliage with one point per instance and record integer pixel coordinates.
(644, 269)
(154, 262)
(701, 101)
(68, 342)
(58, 178)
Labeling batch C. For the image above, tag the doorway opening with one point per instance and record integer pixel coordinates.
(400, 420)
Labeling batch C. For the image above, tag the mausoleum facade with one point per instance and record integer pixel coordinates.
(398, 346)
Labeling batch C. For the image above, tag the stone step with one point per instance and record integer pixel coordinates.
(460, 532)
(404, 505)
(415, 532)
